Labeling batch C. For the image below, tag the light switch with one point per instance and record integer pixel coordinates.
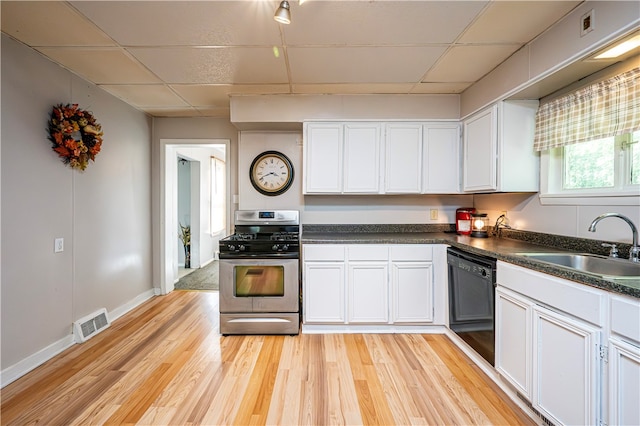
(58, 245)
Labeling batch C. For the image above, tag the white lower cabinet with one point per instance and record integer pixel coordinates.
(514, 339)
(566, 368)
(624, 383)
(411, 292)
(549, 343)
(368, 292)
(367, 284)
(324, 292)
(624, 361)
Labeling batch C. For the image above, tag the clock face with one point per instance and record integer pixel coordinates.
(271, 173)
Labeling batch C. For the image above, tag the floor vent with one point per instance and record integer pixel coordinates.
(87, 327)
(545, 420)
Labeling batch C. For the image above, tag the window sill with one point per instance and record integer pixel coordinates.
(618, 199)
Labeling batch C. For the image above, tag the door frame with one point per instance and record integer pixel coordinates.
(167, 238)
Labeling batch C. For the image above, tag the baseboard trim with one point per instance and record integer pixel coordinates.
(19, 369)
(132, 304)
(382, 329)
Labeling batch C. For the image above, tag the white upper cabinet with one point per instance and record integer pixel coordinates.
(323, 158)
(441, 158)
(381, 158)
(361, 158)
(342, 158)
(498, 150)
(403, 172)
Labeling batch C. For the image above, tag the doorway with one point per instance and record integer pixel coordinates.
(205, 233)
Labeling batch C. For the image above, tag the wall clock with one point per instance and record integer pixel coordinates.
(271, 173)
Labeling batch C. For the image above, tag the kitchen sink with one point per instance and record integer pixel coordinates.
(606, 267)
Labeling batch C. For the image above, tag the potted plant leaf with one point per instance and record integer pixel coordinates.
(185, 237)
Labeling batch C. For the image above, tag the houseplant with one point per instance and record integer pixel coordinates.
(185, 237)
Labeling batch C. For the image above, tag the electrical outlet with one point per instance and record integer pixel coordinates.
(58, 245)
(434, 214)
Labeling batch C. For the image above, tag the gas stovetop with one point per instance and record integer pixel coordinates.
(263, 234)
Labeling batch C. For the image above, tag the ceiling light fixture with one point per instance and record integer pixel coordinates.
(283, 15)
(621, 48)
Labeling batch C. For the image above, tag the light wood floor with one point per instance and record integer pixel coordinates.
(165, 363)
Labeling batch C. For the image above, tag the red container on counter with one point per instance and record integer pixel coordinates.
(463, 220)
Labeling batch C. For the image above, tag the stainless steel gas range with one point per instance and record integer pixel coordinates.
(260, 274)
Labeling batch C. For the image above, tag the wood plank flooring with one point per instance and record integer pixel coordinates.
(165, 364)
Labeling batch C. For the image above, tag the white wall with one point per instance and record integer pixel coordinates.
(103, 214)
(525, 212)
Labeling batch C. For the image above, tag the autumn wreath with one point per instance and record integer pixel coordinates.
(75, 135)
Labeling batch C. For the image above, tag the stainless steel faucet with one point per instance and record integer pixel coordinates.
(634, 251)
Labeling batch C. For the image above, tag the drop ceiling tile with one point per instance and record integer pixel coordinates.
(49, 23)
(244, 65)
(172, 112)
(468, 63)
(361, 64)
(101, 65)
(214, 112)
(218, 94)
(434, 88)
(146, 95)
(515, 21)
(349, 89)
(368, 23)
(185, 23)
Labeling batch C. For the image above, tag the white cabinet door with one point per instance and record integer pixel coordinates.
(441, 159)
(403, 167)
(624, 383)
(324, 292)
(323, 158)
(368, 292)
(412, 292)
(480, 149)
(565, 368)
(513, 340)
(361, 158)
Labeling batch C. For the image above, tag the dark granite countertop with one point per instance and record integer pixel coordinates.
(505, 249)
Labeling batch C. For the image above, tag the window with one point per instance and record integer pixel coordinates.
(589, 143)
(602, 167)
(218, 195)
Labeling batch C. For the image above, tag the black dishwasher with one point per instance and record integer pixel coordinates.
(472, 280)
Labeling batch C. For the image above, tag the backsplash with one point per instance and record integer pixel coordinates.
(566, 243)
(583, 245)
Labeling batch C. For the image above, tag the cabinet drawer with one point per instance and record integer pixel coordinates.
(411, 252)
(575, 299)
(625, 317)
(325, 252)
(368, 252)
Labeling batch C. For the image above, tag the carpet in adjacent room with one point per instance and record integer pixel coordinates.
(205, 278)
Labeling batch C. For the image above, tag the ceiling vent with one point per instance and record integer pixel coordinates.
(87, 327)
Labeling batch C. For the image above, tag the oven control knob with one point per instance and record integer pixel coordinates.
(241, 247)
(285, 247)
(275, 247)
(483, 272)
(231, 247)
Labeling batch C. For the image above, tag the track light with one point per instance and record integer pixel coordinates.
(283, 15)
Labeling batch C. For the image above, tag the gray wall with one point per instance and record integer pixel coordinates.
(103, 213)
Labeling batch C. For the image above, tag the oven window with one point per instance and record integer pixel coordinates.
(253, 281)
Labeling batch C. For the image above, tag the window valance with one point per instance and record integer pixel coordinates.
(607, 108)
